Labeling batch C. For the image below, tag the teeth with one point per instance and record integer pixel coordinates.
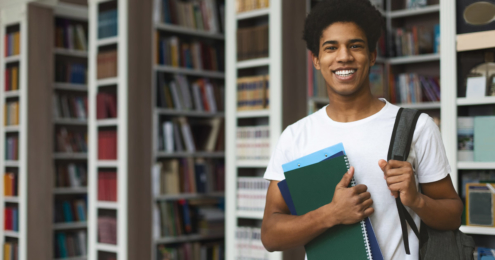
(344, 72)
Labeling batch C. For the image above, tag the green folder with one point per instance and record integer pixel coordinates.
(312, 187)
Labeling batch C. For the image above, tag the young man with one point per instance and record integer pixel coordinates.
(342, 37)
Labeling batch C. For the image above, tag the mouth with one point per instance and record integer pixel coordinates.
(344, 74)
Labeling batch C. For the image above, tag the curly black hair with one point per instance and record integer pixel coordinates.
(327, 12)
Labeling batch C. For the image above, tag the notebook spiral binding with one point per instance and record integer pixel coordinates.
(363, 225)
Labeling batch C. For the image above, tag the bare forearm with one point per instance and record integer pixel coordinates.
(441, 214)
(282, 231)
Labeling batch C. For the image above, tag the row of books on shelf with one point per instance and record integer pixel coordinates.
(10, 184)
(12, 147)
(194, 216)
(11, 218)
(70, 106)
(204, 15)
(253, 93)
(249, 245)
(71, 175)
(11, 113)
(10, 250)
(70, 35)
(192, 251)
(107, 23)
(200, 95)
(251, 193)
(70, 244)
(73, 210)
(177, 52)
(414, 41)
(107, 144)
(476, 141)
(107, 66)
(250, 5)
(413, 88)
(475, 176)
(253, 143)
(252, 42)
(71, 141)
(12, 44)
(107, 230)
(106, 105)
(71, 72)
(178, 135)
(11, 78)
(188, 175)
(107, 186)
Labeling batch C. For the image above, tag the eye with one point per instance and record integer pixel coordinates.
(331, 48)
(356, 46)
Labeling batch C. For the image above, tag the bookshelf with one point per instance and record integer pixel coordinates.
(285, 48)
(178, 112)
(119, 136)
(70, 56)
(28, 161)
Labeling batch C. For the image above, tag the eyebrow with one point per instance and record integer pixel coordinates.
(350, 41)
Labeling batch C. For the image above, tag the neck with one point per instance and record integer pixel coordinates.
(353, 107)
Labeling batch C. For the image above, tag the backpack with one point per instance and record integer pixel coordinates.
(433, 244)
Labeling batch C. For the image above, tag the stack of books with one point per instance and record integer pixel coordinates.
(71, 141)
(107, 64)
(250, 5)
(10, 184)
(252, 42)
(12, 148)
(176, 52)
(249, 245)
(253, 143)
(106, 105)
(70, 72)
(251, 193)
(70, 244)
(107, 145)
(189, 175)
(70, 210)
(11, 218)
(413, 88)
(414, 41)
(107, 230)
(70, 106)
(12, 44)
(177, 93)
(107, 24)
(196, 250)
(198, 14)
(476, 142)
(11, 113)
(71, 175)
(107, 186)
(253, 93)
(12, 78)
(70, 35)
(10, 251)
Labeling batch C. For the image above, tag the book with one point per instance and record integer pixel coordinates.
(480, 200)
(465, 138)
(107, 186)
(252, 42)
(107, 144)
(253, 143)
(484, 139)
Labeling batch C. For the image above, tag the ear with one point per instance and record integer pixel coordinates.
(373, 56)
(316, 61)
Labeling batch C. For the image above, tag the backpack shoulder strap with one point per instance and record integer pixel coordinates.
(400, 145)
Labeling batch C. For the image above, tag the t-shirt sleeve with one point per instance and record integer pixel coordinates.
(280, 155)
(431, 161)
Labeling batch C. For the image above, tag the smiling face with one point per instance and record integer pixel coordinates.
(344, 59)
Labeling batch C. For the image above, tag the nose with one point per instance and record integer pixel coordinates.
(344, 55)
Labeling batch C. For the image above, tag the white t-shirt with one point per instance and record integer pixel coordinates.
(365, 142)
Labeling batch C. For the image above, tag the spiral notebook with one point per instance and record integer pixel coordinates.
(310, 183)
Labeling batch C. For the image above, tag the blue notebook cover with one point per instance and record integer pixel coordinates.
(325, 154)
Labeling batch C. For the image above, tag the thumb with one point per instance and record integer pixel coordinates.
(346, 179)
(382, 163)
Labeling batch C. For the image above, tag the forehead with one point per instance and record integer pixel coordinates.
(342, 32)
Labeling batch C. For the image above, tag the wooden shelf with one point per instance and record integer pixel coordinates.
(174, 112)
(11, 93)
(423, 105)
(107, 247)
(414, 11)
(187, 238)
(189, 154)
(11, 128)
(70, 156)
(72, 53)
(107, 122)
(260, 62)
(14, 58)
(107, 163)
(73, 258)
(188, 31)
(475, 101)
(252, 163)
(70, 121)
(414, 59)
(107, 205)
(10, 163)
(107, 82)
(70, 225)
(253, 113)
(189, 196)
(107, 41)
(70, 86)
(253, 14)
(475, 41)
(475, 165)
(472, 230)
(191, 72)
(11, 199)
(10, 233)
(250, 214)
(70, 190)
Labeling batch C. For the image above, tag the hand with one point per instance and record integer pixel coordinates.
(400, 180)
(350, 204)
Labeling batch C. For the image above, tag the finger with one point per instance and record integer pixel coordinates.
(397, 186)
(367, 212)
(397, 164)
(346, 179)
(364, 196)
(382, 164)
(360, 188)
(366, 204)
(395, 194)
(396, 179)
(397, 172)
